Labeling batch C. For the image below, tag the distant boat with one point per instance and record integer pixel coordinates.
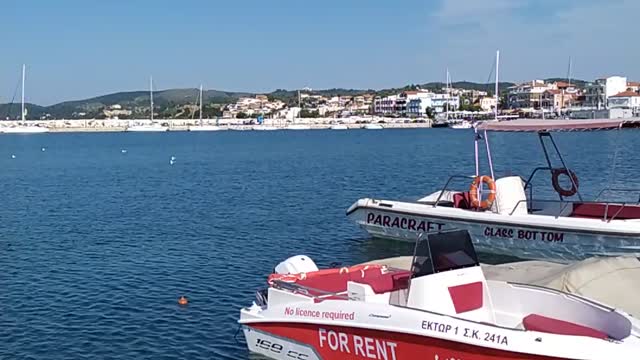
(461, 125)
(22, 128)
(264, 128)
(201, 126)
(298, 127)
(373, 127)
(339, 127)
(152, 126)
(25, 130)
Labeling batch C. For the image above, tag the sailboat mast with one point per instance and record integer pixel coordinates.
(200, 104)
(447, 97)
(24, 67)
(497, 79)
(300, 106)
(151, 96)
(569, 72)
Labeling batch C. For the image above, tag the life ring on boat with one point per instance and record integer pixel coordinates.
(473, 192)
(555, 179)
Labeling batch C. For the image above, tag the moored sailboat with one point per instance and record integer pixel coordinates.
(150, 125)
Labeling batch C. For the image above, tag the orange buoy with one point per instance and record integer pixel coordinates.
(183, 300)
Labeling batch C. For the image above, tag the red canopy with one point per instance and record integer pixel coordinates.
(538, 125)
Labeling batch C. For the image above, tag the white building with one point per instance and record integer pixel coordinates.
(385, 105)
(417, 105)
(598, 93)
(487, 103)
(625, 100)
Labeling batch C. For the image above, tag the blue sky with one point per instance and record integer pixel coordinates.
(77, 49)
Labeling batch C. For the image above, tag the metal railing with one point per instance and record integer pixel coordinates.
(307, 291)
(566, 203)
(446, 185)
(607, 190)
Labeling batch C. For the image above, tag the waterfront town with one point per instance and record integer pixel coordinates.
(414, 106)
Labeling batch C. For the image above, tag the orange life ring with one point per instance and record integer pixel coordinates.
(473, 192)
(555, 179)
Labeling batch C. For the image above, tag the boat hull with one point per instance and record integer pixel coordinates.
(546, 240)
(25, 130)
(206, 128)
(147, 129)
(314, 342)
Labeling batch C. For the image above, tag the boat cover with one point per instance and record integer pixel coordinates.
(539, 125)
(610, 280)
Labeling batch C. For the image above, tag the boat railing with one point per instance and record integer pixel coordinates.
(446, 186)
(566, 203)
(616, 190)
(316, 294)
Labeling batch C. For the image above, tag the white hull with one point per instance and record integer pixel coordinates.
(206, 128)
(339, 127)
(298, 127)
(377, 312)
(463, 125)
(147, 128)
(373, 127)
(25, 130)
(264, 128)
(527, 236)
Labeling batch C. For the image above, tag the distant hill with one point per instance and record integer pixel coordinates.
(169, 100)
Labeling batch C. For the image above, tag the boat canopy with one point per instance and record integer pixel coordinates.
(539, 125)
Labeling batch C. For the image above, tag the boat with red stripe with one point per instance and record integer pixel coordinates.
(443, 308)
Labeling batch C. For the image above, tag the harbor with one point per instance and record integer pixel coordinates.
(122, 248)
(451, 180)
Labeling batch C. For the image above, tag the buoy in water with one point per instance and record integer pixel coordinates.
(124, 151)
(183, 300)
(13, 156)
(43, 149)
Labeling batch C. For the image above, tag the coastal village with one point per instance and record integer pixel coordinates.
(610, 97)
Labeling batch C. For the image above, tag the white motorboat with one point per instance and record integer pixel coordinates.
(201, 125)
(461, 125)
(298, 127)
(511, 220)
(339, 127)
(264, 128)
(153, 127)
(32, 129)
(150, 125)
(444, 308)
(373, 127)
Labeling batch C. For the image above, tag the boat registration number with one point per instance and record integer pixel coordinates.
(465, 332)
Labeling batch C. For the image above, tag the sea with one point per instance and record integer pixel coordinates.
(100, 234)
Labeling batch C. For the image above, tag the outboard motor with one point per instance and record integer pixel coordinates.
(295, 265)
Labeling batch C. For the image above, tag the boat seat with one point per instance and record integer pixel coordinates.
(597, 211)
(534, 322)
(388, 282)
(380, 282)
(462, 200)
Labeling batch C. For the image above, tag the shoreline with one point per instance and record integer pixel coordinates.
(94, 126)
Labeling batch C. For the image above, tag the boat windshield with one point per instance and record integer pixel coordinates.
(444, 251)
